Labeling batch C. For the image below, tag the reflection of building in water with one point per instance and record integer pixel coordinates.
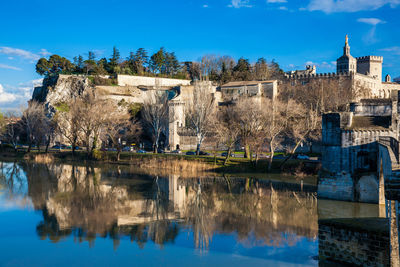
(143, 207)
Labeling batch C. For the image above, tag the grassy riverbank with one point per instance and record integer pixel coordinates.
(175, 163)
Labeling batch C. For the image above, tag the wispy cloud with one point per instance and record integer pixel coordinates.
(324, 65)
(331, 6)
(276, 1)
(240, 3)
(371, 21)
(18, 52)
(282, 8)
(395, 50)
(370, 38)
(43, 52)
(205, 6)
(4, 66)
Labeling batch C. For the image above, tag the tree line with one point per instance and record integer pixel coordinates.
(221, 69)
(256, 125)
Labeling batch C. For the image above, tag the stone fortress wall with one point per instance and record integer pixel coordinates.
(351, 147)
(129, 80)
(361, 75)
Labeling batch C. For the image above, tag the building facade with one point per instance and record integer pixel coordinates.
(360, 77)
(351, 145)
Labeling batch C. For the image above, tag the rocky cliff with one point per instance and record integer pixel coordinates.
(61, 89)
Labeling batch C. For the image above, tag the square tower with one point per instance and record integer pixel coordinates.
(371, 66)
(346, 63)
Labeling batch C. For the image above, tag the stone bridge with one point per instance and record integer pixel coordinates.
(388, 169)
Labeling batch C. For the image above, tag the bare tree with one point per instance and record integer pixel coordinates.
(303, 123)
(226, 130)
(155, 115)
(94, 113)
(249, 120)
(68, 123)
(273, 125)
(12, 129)
(35, 123)
(3, 124)
(199, 111)
(116, 128)
(208, 66)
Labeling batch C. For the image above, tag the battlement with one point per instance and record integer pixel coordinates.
(318, 75)
(369, 58)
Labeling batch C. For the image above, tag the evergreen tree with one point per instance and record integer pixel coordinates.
(242, 70)
(172, 65)
(157, 61)
(193, 69)
(102, 66)
(276, 71)
(261, 70)
(114, 61)
(78, 64)
(141, 60)
(54, 65)
(91, 56)
(226, 74)
(90, 66)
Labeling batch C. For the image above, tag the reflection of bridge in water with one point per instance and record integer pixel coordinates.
(369, 240)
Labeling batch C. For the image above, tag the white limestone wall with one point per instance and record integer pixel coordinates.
(373, 85)
(128, 80)
(372, 110)
(388, 87)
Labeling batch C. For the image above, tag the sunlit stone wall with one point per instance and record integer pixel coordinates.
(359, 242)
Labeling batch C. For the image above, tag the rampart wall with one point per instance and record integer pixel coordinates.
(124, 80)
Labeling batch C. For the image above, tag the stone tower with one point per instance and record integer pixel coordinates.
(346, 63)
(371, 66)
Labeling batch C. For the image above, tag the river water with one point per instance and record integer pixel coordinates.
(69, 215)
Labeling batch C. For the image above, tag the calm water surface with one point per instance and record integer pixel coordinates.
(67, 215)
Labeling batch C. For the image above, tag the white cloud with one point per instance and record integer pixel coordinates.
(18, 52)
(324, 65)
(6, 97)
(14, 96)
(43, 52)
(330, 6)
(205, 6)
(282, 8)
(240, 3)
(4, 66)
(369, 38)
(395, 50)
(276, 1)
(371, 21)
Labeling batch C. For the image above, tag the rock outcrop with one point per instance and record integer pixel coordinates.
(61, 89)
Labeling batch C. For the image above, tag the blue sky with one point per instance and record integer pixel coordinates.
(293, 32)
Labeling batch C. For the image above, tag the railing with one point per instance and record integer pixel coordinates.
(391, 142)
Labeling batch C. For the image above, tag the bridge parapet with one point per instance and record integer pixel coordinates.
(393, 144)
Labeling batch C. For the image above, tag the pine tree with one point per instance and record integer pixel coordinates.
(242, 70)
(157, 61)
(114, 61)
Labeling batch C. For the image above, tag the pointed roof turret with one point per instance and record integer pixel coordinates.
(346, 48)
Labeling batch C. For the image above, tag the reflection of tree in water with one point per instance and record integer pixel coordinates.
(198, 215)
(13, 184)
(255, 211)
(160, 228)
(82, 202)
(11, 178)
